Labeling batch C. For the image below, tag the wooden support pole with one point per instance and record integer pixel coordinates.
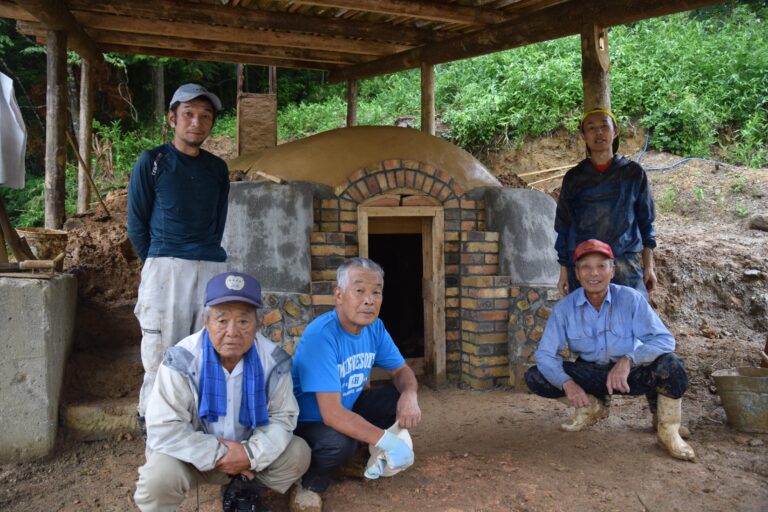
(428, 98)
(351, 102)
(240, 73)
(85, 135)
(272, 80)
(595, 65)
(55, 124)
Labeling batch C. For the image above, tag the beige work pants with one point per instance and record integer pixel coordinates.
(169, 308)
(164, 480)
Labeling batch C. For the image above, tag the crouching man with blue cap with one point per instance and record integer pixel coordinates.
(222, 409)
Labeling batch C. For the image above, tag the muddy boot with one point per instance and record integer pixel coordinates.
(668, 429)
(684, 432)
(304, 500)
(585, 416)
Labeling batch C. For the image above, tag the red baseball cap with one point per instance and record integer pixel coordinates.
(590, 247)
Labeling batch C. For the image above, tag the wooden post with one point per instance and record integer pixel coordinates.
(240, 70)
(55, 124)
(351, 102)
(595, 65)
(272, 80)
(158, 93)
(428, 98)
(84, 137)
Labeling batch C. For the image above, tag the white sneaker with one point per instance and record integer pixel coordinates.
(304, 500)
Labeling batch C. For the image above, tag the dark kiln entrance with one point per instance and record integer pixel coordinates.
(403, 309)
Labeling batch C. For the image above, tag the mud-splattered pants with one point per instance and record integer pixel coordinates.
(331, 449)
(665, 375)
(171, 296)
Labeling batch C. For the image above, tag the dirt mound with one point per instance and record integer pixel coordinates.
(100, 254)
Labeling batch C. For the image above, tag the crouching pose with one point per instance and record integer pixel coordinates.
(222, 408)
(621, 346)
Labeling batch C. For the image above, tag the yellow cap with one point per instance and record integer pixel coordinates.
(599, 111)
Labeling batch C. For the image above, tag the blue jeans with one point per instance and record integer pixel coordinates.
(629, 272)
(331, 449)
(665, 375)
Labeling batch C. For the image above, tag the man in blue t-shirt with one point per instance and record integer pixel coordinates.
(177, 207)
(331, 365)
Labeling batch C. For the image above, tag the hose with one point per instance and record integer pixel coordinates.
(679, 162)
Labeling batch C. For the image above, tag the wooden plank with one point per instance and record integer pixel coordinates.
(202, 32)
(84, 137)
(542, 171)
(595, 63)
(111, 37)
(394, 225)
(351, 102)
(416, 364)
(438, 279)
(55, 16)
(12, 11)
(255, 19)
(362, 232)
(55, 125)
(535, 28)
(428, 98)
(399, 211)
(424, 9)
(428, 293)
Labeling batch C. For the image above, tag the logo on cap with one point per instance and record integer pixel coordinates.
(234, 282)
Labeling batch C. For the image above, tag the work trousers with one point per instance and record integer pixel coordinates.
(164, 480)
(331, 449)
(169, 307)
(629, 272)
(666, 375)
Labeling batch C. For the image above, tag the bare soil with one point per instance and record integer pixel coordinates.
(498, 450)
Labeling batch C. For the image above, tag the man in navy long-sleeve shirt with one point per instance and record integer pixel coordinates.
(177, 207)
(607, 197)
(620, 345)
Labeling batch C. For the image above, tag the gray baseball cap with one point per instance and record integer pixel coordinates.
(191, 91)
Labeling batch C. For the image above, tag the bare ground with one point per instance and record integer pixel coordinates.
(497, 450)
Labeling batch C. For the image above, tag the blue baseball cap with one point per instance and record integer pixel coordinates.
(233, 287)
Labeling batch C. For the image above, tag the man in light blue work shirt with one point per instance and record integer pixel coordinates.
(620, 345)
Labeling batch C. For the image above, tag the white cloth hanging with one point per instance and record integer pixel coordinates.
(13, 137)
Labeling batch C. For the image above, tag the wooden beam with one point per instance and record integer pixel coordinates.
(189, 49)
(233, 34)
(55, 123)
(55, 16)
(12, 11)
(233, 58)
(255, 19)
(352, 103)
(595, 64)
(84, 137)
(425, 9)
(428, 98)
(535, 28)
(272, 80)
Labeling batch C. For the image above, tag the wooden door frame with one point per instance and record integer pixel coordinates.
(433, 285)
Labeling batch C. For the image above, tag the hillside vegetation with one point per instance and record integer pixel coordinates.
(698, 81)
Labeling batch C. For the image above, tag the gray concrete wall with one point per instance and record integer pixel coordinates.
(525, 218)
(267, 233)
(38, 319)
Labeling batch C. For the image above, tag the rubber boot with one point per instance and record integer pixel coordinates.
(585, 416)
(668, 430)
(304, 500)
(685, 433)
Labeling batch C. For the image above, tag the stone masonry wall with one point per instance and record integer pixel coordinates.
(529, 310)
(285, 316)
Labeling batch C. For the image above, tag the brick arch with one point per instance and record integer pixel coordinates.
(392, 175)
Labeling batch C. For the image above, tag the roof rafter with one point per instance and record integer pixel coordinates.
(535, 28)
(55, 16)
(188, 12)
(425, 9)
(152, 42)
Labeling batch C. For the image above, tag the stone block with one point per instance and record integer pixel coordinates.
(38, 319)
(292, 309)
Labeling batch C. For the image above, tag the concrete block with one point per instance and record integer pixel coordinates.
(38, 318)
(526, 220)
(268, 232)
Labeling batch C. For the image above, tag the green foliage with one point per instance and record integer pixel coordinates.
(740, 210)
(667, 200)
